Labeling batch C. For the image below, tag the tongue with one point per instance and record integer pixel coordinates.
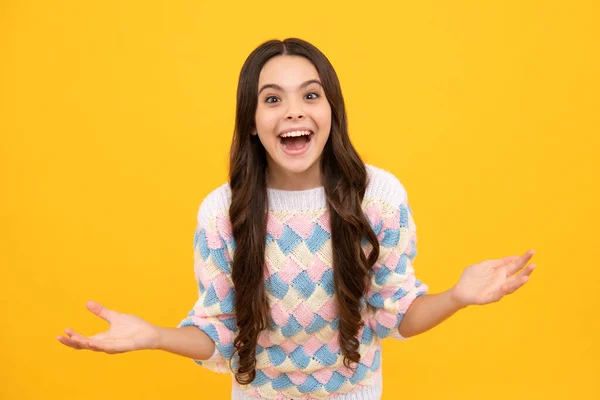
(295, 143)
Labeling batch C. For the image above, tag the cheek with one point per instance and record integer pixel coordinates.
(266, 120)
(322, 117)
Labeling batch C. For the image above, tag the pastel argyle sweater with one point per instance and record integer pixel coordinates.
(298, 356)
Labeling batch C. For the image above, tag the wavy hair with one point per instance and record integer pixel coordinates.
(344, 178)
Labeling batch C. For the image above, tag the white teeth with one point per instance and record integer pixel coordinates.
(296, 133)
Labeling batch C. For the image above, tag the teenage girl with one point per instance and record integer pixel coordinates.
(304, 258)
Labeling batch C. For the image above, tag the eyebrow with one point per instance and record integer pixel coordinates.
(277, 87)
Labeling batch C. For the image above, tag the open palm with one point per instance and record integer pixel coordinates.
(126, 333)
(489, 281)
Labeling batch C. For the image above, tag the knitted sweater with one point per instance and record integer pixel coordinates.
(298, 355)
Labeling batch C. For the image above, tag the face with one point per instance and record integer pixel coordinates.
(293, 122)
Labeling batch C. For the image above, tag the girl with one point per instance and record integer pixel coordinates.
(304, 258)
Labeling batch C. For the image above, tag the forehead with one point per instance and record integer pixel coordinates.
(287, 71)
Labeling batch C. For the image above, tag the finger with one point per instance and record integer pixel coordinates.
(519, 263)
(506, 260)
(71, 332)
(100, 310)
(81, 341)
(68, 342)
(502, 262)
(89, 340)
(97, 336)
(514, 283)
(65, 341)
(527, 270)
(105, 346)
(96, 346)
(88, 343)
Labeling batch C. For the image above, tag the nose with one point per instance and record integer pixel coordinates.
(292, 115)
(294, 110)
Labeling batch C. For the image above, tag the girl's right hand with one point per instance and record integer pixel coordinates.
(126, 333)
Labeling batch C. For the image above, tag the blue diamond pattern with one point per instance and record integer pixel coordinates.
(291, 328)
(289, 240)
(377, 228)
(335, 324)
(299, 358)
(381, 331)
(367, 335)
(304, 285)
(382, 275)
(403, 216)
(376, 300)
(359, 373)
(336, 381)
(376, 361)
(317, 323)
(391, 238)
(309, 385)
(211, 297)
(325, 356)
(400, 269)
(260, 379)
(398, 295)
(281, 382)
(228, 303)
(316, 239)
(218, 256)
(276, 355)
(326, 282)
(203, 245)
(276, 286)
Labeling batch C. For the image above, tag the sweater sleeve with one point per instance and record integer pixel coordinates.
(394, 285)
(213, 312)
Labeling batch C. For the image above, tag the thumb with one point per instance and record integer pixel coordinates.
(100, 311)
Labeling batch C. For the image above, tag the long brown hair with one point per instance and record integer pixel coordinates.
(344, 178)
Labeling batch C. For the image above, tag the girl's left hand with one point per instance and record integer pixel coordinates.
(489, 281)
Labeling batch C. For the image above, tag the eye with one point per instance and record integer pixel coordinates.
(268, 98)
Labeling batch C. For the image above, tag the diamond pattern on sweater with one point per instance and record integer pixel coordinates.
(298, 354)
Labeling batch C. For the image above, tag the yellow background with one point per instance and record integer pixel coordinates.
(116, 119)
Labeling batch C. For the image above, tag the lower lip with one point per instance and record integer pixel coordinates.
(298, 152)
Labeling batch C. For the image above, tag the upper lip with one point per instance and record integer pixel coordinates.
(300, 128)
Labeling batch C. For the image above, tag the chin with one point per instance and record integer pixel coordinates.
(296, 166)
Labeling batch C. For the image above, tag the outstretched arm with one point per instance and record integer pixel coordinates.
(479, 284)
(428, 311)
(188, 341)
(130, 333)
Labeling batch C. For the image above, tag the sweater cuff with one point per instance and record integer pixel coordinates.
(216, 355)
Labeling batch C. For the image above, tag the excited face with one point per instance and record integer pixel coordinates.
(293, 122)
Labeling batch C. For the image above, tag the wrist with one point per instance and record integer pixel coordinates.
(455, 299)
(157, 343)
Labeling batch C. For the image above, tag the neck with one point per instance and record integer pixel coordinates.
(281, 179)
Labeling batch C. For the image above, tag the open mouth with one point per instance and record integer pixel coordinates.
(296, 142)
